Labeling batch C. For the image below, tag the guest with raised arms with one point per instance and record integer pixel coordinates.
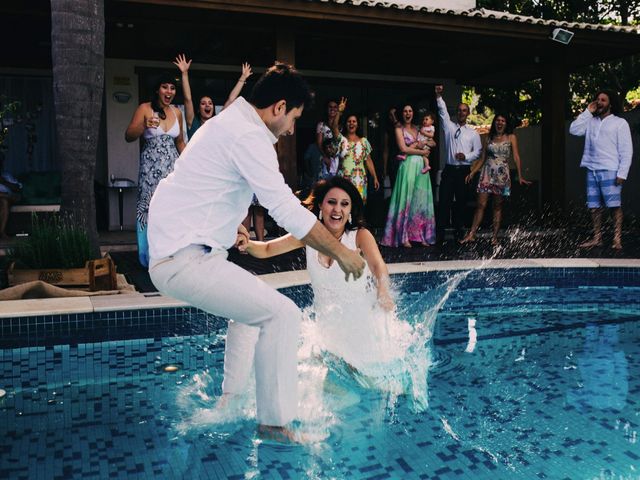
(206, 108)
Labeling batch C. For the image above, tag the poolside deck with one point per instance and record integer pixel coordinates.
(516, 243)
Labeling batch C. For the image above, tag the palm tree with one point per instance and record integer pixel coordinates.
(77, 53)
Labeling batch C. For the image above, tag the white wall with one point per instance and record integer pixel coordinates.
(123, 157)
(448, 4)
(530, 148)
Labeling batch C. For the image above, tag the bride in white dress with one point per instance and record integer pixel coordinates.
(354, 320)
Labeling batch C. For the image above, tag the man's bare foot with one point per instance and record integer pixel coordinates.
(617, 244)
(495, 242)
(278, 434)
(406, 244)
(594, 242)
(468, 239)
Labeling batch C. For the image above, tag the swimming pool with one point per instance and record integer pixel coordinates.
(550, 389)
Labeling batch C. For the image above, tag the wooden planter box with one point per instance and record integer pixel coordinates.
(96, 275)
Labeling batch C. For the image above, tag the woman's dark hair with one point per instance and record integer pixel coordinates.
(155, 104)
(401, 116)
(508, 129)
(281, 82)
(614, 101)
(322, 187)
(325, 118)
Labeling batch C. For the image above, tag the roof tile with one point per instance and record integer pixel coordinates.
(482, 13)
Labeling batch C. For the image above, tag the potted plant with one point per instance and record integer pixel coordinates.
(58, 252)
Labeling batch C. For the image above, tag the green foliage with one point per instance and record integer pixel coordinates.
(521, 104)
(633, 96)
(525, 102)
(55, 242)
(7, 109)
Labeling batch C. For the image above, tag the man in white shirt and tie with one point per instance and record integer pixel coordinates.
(607, 157)
(462, 146)
(195, 216)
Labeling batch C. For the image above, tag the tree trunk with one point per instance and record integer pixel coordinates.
(77, 52)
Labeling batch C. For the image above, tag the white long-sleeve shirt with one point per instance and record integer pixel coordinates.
(607, 143)
(208, 193)
(467, 141)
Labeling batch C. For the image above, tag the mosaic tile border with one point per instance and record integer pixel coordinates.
(73, 328)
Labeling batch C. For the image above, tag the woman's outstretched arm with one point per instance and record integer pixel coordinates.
(367, 244)
(280, 245)
(183, 65)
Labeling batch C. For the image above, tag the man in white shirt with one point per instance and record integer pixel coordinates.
(607, 157)
(462, 146)
(194, 217)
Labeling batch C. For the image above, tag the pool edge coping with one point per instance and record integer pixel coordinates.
(141, 301)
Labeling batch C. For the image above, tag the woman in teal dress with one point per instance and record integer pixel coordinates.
(411, 215)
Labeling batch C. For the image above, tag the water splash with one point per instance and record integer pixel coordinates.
(346, 349)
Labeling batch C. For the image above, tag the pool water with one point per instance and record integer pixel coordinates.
(550, 388)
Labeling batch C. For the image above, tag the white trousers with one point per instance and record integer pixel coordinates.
(211, 283)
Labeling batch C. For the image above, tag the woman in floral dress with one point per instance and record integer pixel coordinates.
(495, 179)
(411, 215)
(355, 155)
(160, 123)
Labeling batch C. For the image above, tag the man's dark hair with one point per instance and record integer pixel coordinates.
(281, 82)
(614, 101)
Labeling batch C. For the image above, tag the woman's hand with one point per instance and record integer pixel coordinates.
(246, 72)
(342, 106)
(153, 121)
(386, 301)
(376, 183)
(182, 63)
(469, 177)
(522, 181)
(242, 239)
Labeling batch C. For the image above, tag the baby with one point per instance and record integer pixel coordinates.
(425, 136)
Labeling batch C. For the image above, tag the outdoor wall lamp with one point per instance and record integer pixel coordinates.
(121, 97)
(561, 35)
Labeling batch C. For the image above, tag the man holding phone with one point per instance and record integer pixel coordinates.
(607, 157)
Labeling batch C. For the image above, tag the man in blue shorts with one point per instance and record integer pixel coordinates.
(607, 157)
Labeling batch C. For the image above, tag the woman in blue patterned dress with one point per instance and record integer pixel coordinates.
(160, 123)
(493, 164)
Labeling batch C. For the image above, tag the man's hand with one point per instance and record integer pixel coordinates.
(351, 263)
(242, 239)
(592, 107)
(460, 156)
(619, 181)
(439, 90)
